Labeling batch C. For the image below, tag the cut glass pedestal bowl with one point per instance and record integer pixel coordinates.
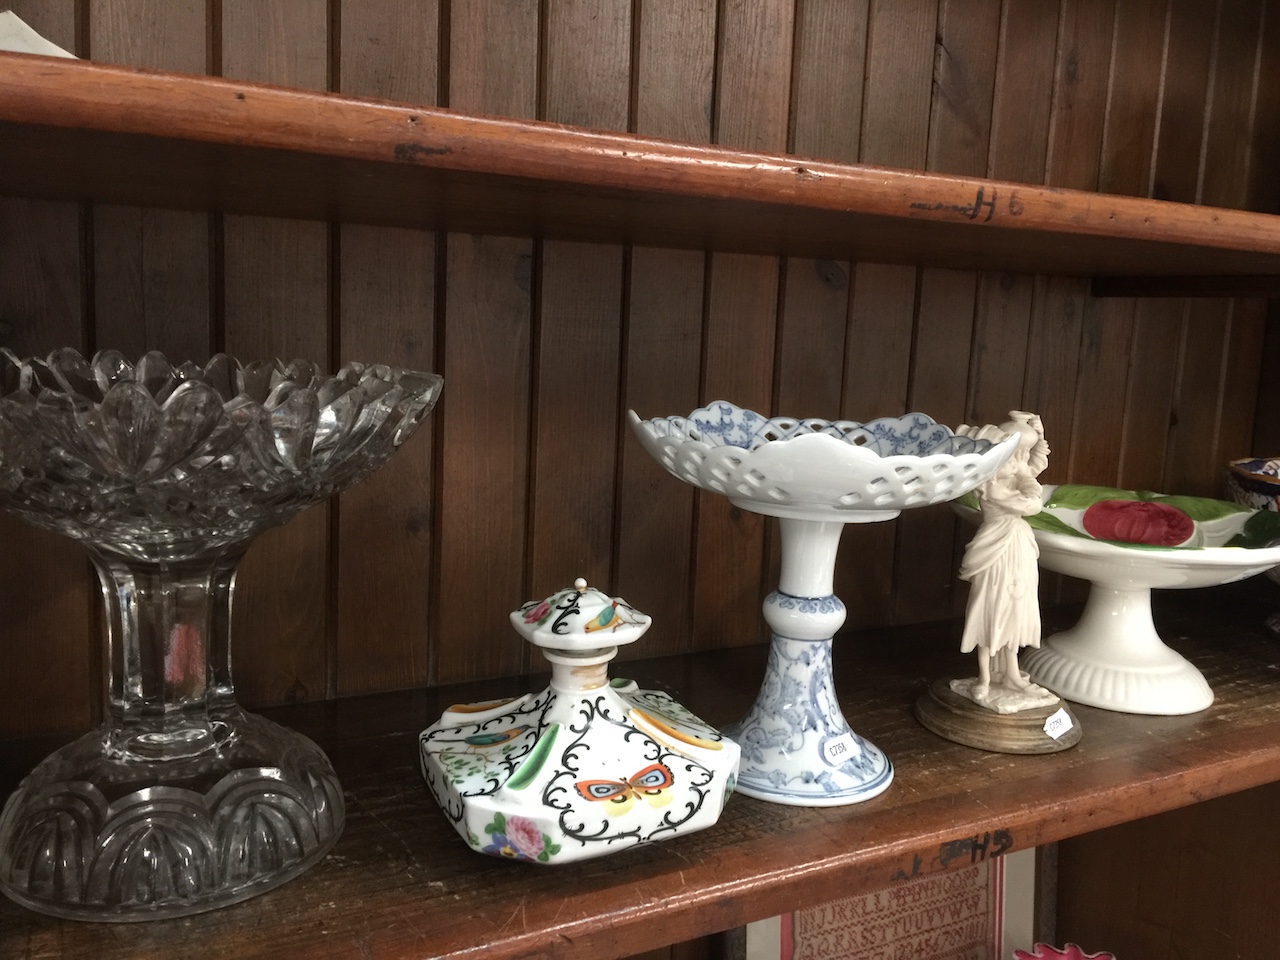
(181, 801)
(814, 476)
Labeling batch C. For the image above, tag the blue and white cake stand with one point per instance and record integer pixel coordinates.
(814, 476)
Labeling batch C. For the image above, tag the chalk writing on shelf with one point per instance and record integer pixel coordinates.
(976, 849)
(984, 206)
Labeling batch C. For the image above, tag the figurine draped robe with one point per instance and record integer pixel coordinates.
(1000, 563)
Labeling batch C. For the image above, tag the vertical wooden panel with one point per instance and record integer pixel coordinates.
(675, 59)
(964, 76)
(484, 411)
(1019, 143)
(1182, 113)
(1129, 136)
(957, 143)
(816, 321)
(1229, 123)
(924, 582)
(1061, 306)
(1171, 886)
(386, 285)
(1204, 378)
(580, 323)
(752, 93)
(827, 78)
(1158, 331)
(895, 132)
(826, 110)
(151, 267)
(1080, 93)
(1059, 309)
(577, 425)
(876, 375)
(1148, 406)
(277, 304)
(900, 52)
(1019, 130)
(50, 677)
(1264, 186)
(1127, 161)
(1193, 440)
(1244, 371)
(1020, 121)
(1100, 391)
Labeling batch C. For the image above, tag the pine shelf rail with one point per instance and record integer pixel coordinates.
(77, 130)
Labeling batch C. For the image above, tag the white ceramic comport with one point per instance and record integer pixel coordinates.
(1113, 657)
(814, 476)
(586, 767)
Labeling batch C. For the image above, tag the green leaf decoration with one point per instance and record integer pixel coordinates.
(1048, 522)
(499, 824)
(543, 857)
(1260, 530)
(1080, 496)
(550, 848)
(537, 757)
(1201, 509)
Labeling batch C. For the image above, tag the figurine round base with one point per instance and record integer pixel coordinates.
(1114, 659)
(802, 752)
(955, 717)
(92, 835)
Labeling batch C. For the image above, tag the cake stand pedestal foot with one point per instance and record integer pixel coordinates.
(1113, 658)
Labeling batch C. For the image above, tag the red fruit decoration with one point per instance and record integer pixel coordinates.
(1138, 521)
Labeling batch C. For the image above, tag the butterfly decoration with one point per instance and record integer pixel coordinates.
(652, 784)
(611, 618)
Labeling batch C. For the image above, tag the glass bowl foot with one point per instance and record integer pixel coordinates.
(93, 835)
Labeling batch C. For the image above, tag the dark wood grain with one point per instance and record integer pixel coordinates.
(578, 346)
(733, 555)
(487, 366)
(152, 286)
(401, 884)
(276, 295)
(124, 136)
(1168, 886)
(48, 586)
(674, 43)
(386, 292)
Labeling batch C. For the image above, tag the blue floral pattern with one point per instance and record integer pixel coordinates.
(786, 736)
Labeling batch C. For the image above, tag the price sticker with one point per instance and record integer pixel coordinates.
(839, 749)
(1057, 724)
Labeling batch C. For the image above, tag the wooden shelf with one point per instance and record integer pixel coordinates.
(400, 883)
(77, 130)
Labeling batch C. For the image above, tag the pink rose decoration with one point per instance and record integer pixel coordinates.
(538, 613)
(524, 836)
(1042, 951)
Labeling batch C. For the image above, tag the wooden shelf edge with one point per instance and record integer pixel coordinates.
(89, 131)
(401, 884)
